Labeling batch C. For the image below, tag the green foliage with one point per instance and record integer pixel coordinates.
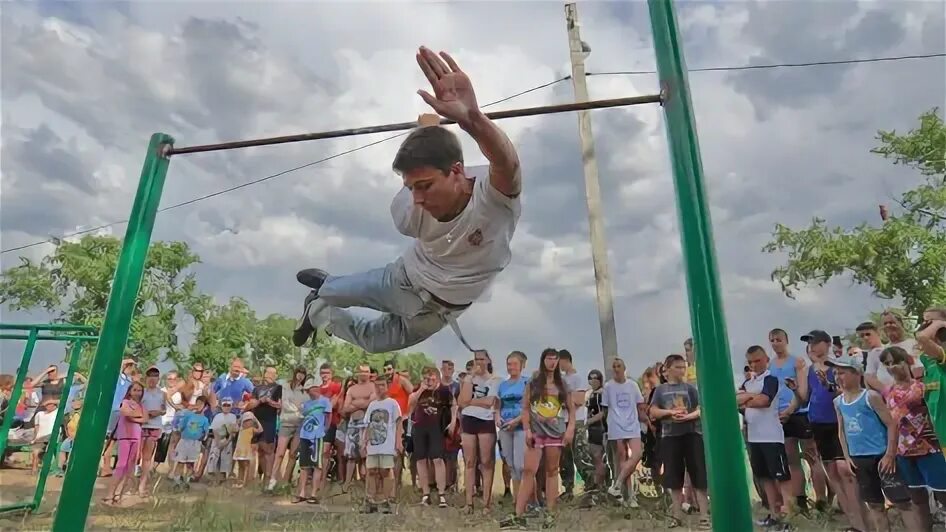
(74, 283)
(905, 257)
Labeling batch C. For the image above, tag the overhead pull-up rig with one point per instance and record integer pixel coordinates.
(728, 480)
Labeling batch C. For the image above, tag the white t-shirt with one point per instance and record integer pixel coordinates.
(153, 400)
(291, 412)
(622, 399)
(43, 421)
(763, 424)
(222, 420)
(874, 367)
(381, 430)
(457, 260)
(576, 383)
(168, 418)
(483, 386)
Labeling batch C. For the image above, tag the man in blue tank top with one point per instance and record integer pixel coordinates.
(868, 437)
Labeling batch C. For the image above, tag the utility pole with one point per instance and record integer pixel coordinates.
(599, 250)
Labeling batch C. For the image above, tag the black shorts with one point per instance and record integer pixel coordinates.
(875, 487)
(428, 442)
(269, 432)
(596, 434)
(768, 461)
(475, 425)
(681, 455)
(330, 434)
(310, 454)
(797, 426)
(826, 439)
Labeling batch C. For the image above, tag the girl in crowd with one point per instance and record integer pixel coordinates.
(128, 436)
(290, 418)
(512, 439)
(546, 433)
(597, 427)
(477, 421)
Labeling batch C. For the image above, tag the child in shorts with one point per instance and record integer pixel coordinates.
(245, 450)
(224, 430)
(194, 428)
(381, 441)
(316, 412)
(868, 437)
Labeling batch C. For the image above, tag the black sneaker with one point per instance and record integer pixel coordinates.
(312, 277)
(386, 507)
(304, 328)
(513, 522)
(567, 496)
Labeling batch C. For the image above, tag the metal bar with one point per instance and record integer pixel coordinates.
(46, 327)
(52, 448)
(16, 507)
(17, 389)
(496, 115)
(725, 455)
(100, 390)
(55, 337)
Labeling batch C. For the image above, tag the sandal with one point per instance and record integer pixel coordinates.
(297, 499)
(312, 500)
(674, 523)
(704, 524)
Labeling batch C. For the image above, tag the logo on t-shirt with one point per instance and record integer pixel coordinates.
(475, 238)
(378, 426)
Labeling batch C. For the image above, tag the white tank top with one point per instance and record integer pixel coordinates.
(457, 260)
(153, 400)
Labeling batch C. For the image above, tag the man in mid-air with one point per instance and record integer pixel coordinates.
(461, 228)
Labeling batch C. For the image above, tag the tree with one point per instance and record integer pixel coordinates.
(224, 332)
(904, 257)
(73, 284)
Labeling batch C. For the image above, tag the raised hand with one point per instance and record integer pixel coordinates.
(453, 96)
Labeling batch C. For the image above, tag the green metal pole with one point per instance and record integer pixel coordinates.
(53, 446)
(87, 450)
(17, 389)
(54, 337)
(725, 456)
(47, 327)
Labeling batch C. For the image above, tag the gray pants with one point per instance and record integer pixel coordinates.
(513, 445)
(409, 317)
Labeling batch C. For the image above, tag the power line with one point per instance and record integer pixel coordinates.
(507, 98)
(776, 65)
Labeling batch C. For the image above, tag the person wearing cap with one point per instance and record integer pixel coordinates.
(316, 416)
(764, 434)
(817, 387)
(868, 436)
(224, 429)
(129, 366)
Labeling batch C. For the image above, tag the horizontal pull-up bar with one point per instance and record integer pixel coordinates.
(496, 115)
(46, 327)
(57, 337)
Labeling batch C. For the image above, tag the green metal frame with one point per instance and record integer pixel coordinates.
(75, 352)
(728, 480)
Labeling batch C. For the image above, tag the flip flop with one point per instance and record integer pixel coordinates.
(297, 499)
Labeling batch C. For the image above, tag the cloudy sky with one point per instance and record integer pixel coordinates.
(84, 85)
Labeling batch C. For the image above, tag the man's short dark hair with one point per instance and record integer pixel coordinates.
(866, 326)
(448, 363)
(779, 331)
(433, 146)
(390, 363)
(564, 354)
(325, 365)
(755, 349)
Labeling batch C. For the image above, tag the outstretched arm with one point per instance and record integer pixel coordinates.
(454, 98)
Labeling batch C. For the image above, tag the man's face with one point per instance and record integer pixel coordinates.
(364, 374)
(870, 337)
(688, 347)
(435, 191)
(892, 326)
(269, 375)
(432, 380)
(779, 342)
(326, 375)
(388, 369)
(236, 369)
(758, 362)
(818, 351)
(381, 387)
(446, 369)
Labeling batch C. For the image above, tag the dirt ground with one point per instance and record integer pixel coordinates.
(226, 509)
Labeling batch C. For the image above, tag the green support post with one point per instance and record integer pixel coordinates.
(17, 387)
(725, 454)
(87, 451)
(52, 448)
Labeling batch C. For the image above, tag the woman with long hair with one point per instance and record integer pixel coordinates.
(597, 427)
(511, 434)
(546, 433)
(478, 394)
(290, 419)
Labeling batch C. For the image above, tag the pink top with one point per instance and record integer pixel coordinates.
(128, 429)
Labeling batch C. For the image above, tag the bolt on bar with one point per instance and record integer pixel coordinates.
(401, 126)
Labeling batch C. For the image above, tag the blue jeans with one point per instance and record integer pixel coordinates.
(409, 317)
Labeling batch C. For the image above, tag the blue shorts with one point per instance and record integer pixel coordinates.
(927, 471)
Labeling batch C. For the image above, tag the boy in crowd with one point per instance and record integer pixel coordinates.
(43, 423)
(224, 428)
(625, 407)
(676, 404)
(381, 442)
(428, 405)
(758, 395)
(193, 427)
(316, 418)
(868, 437)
